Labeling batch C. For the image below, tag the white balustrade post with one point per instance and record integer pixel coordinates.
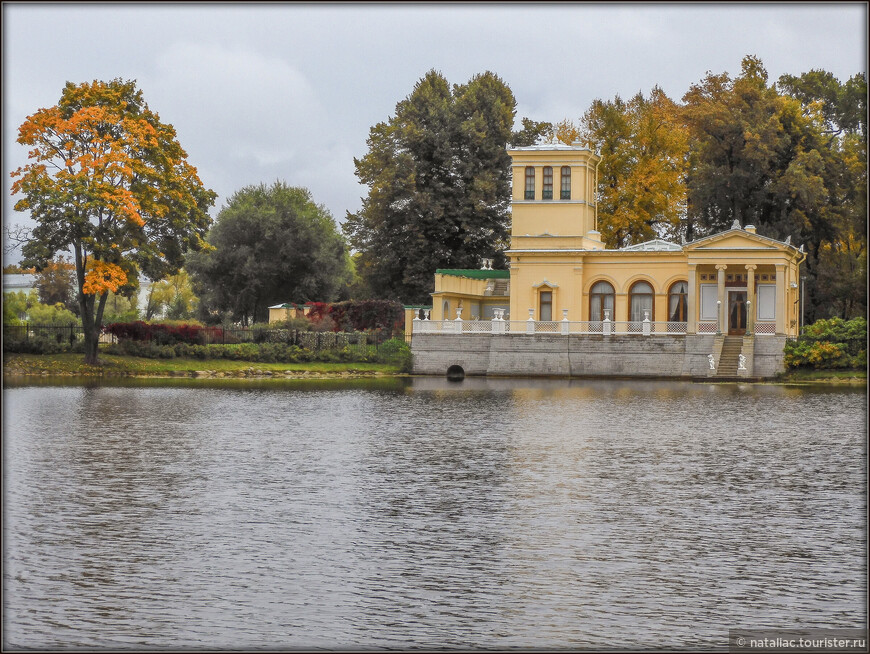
(646, 324)
(495, 324)
(457, 324)
(749, 322)
(428, 314)
(565, 323)
(415, 325)
(718, 317)
(606, 326)
(530, 323)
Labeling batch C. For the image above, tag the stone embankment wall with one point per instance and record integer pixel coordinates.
(583, 356)
(768, 358)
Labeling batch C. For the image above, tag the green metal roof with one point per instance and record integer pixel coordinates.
(417, 306)
(475, 274)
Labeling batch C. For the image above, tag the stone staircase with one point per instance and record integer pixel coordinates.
(728, 360)
(500, 286)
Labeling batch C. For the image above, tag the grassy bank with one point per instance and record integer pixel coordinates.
(115, 365)
(807, 376)
(129, 366)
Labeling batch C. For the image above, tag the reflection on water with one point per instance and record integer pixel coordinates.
(423, 513)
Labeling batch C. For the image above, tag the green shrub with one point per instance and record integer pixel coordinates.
(42, 344)
(165, 352)
(56, 314)
(837, 329)
(396, 352)
(834, 343)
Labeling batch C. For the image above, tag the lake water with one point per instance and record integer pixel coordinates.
(418, 513)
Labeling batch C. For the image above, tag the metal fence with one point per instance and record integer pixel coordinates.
(58, 333)
(313, 341)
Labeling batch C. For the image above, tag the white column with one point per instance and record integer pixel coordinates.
(691, 301)
(750, 297)
(781, 309)
(565, 323)
(723, 305)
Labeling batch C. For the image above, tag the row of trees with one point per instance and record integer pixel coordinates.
(108, 182)
(789, 157)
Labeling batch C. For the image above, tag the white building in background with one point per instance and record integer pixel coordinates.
(16, 283)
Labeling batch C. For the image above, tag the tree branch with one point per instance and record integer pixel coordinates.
(16, 236)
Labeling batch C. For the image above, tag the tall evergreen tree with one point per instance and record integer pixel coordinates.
(439, 185)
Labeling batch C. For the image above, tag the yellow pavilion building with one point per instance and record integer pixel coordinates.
(563, 281)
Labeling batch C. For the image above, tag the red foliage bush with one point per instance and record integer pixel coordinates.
(165, 334)
(359, 315)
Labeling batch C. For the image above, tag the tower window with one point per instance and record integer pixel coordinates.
(566, 183)
(530, 183)
(548, 183)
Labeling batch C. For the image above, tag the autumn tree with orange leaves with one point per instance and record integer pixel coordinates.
(110, 182)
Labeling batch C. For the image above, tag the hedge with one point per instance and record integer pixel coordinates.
(829, 344)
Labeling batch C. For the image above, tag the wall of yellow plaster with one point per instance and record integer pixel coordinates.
(571, 276)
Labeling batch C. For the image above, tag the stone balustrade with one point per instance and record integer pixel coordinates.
(606, 327)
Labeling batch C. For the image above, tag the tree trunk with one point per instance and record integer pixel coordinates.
(92, 342)
(91, 335)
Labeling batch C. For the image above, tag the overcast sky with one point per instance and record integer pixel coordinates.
(261, 92)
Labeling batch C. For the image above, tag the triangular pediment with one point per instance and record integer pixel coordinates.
(737, 239)
(656, 245)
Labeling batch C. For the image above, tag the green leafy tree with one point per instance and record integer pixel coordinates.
(268, 245)
(16, 306)
(837, 257)
(737, 144)
(172, 297)
(532, 133)
(121, 307)
(109, 181)
(22, 307)
(439, 185)
(792, 162)
(51, 314)
(56, 284)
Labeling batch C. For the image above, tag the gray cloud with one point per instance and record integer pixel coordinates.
(265, 92)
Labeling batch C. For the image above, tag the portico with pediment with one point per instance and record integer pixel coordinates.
(742, 283)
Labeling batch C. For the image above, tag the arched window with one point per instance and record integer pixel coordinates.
(446, 310)
(677, 304)
(566, 183)
(640, 301)
(600, 300)
(548, 183)
(530, 183)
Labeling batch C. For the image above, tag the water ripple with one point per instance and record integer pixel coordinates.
(483, 514)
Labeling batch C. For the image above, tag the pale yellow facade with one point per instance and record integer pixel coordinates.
(287, 311)
(734, 282)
